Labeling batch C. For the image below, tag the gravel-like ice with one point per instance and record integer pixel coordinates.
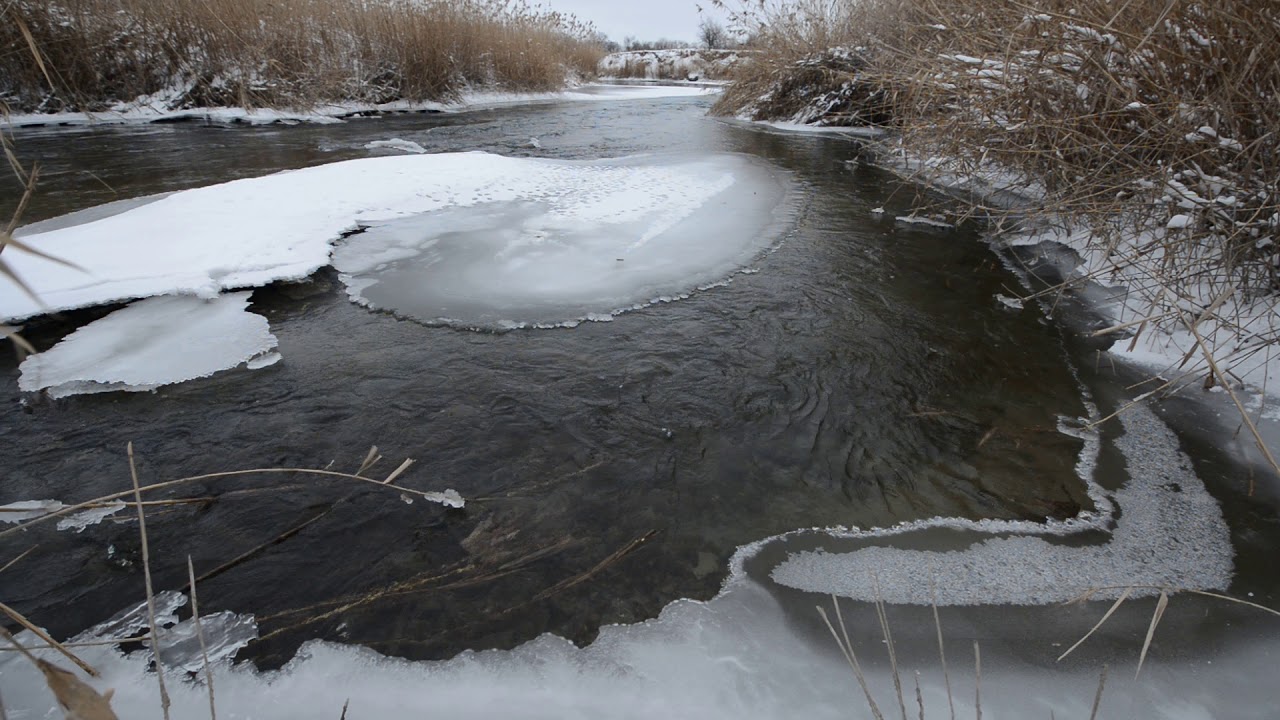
(1169, 533)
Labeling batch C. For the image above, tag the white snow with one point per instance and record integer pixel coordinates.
(151, 343)
(542, 242)
(152, 109)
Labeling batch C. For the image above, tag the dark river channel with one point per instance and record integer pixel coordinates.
(865, 376)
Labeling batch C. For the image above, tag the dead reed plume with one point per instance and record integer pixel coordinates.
(90, 54)
(1146, 130)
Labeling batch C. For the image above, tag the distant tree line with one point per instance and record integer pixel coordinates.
(711, 35)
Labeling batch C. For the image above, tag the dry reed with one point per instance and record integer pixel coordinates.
(1147, 126)
(86, 55)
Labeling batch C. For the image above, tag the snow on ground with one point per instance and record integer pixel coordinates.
(154, 342)
(572, 238)
(559, 242)
(1153, 327)
(156, 109)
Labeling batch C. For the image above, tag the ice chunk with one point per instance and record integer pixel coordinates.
(1178, 222)
(24, 510)
(408, 146)
(153, 342)
(82, 520)
(224, 634)
(1012, 303)
(558, 242)
(926, 221)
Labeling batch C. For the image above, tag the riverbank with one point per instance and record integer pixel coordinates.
(95, 55)
(149, 110)
(1140, 138)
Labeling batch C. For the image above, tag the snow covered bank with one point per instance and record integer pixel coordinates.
(151, 343)
(160, 109)
(678, 64)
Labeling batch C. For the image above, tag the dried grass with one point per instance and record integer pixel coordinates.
(87, 54)
(1150, 124)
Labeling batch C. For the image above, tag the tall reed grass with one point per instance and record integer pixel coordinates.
(281, 53)
(1153, 124)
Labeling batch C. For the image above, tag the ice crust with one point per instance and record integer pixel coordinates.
(1170, 533)
(151, 343)
(555, 242)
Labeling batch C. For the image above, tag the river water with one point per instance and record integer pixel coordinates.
(865, 376)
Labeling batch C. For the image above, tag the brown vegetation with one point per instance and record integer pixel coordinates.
(1152, 123)
(280, 53)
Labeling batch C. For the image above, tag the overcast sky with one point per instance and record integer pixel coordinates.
(645, 19)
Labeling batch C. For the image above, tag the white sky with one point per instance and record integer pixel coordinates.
(645, 19)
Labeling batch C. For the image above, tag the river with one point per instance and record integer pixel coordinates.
(865, 376)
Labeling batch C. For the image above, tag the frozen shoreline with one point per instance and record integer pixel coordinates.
(154, 109)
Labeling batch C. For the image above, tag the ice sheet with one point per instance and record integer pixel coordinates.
(252, 232)
(566, 241)
(154, 342)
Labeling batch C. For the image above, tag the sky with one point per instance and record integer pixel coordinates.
(644, 19)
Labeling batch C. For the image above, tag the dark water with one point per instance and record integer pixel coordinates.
(865, 376)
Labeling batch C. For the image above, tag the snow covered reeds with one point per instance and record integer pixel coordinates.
(281, 53)
(1145, 133)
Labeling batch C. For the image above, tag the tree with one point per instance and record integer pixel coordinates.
(712, 34)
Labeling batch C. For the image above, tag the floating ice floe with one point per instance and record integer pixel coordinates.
(554, 242)
(154, 342)
(407, 146)
(926, 221)
(567, 238)
(1012, 303)
(25, 510)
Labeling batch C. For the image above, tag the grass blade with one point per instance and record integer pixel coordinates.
(146, 574)
(1123, 596)
(1161, 605)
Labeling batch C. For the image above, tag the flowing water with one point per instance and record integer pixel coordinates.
(866, 375)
